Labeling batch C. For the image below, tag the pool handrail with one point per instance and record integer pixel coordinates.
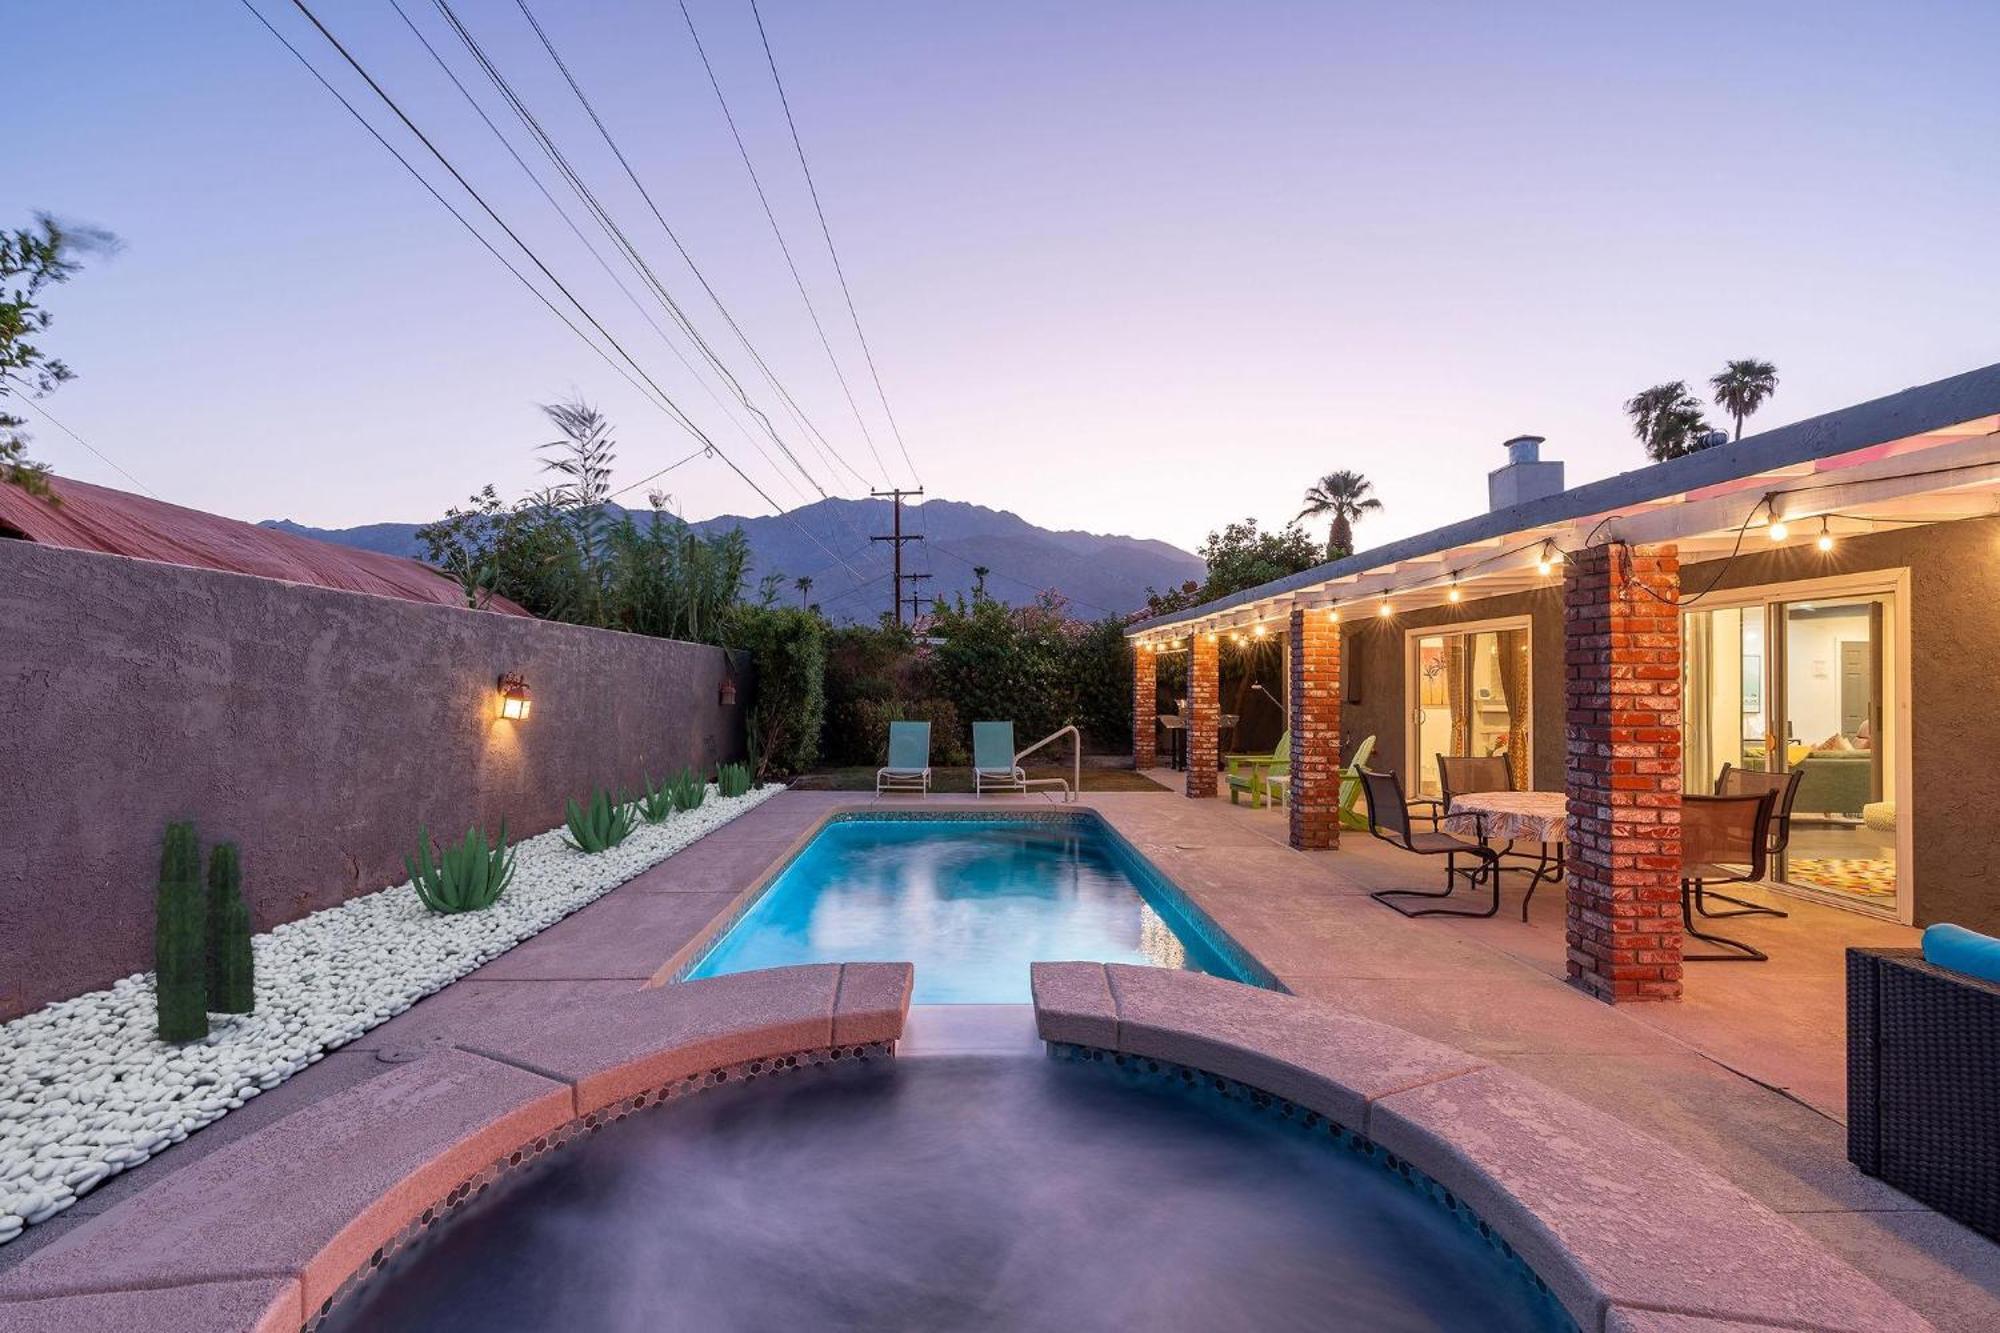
(1070, 789)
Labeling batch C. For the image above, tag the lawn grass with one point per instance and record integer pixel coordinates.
(955, 781)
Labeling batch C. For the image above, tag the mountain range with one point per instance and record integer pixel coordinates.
(829, 543)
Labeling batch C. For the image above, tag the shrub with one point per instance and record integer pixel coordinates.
(232, 987)
(1101, 673)
(732, 779)
(869, 669)
(948, 733)
(180, 939)
(600, 825)
(464, 878)
(789, 646)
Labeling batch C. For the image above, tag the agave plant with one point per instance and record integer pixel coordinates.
(467, 877)
(602, 824)
(689, 790)
(733, 779)
(656, 801)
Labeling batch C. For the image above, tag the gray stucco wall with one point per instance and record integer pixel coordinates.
(1954, 628)
(317, 729)
(1376, 646)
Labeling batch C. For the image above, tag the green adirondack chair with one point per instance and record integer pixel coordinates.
(1350, 786)
(1251, 773)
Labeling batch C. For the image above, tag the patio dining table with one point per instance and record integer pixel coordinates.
(1538, 817)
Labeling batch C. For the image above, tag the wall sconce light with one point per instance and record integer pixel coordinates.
(516, 700)
(726, 696)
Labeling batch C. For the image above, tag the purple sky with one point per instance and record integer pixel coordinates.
(1137, 268)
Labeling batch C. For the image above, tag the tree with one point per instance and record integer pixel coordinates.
(1239, 556)
(979, 573)
(1668, 420)
(804, 584)
(1743, 387)
(31, 259)
(1346, 496)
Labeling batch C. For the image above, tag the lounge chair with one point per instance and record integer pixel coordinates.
(993, 766)
(909, 766)
(1251, 773)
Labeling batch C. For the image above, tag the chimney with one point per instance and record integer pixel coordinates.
(1526, 477)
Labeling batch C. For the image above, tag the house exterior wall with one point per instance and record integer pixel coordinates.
(317, 729)
(1953, 621)
(1383, 710)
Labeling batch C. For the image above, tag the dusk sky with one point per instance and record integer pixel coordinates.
(1139, 268)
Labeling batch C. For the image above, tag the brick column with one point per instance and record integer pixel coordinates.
(1204, 713)
(1145, 707)
(1622, 697)
(1313, 798)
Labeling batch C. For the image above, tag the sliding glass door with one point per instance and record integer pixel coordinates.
(1806, 683)
(1471, 689)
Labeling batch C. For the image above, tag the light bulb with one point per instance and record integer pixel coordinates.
(1825, 542)
(1261, 631)
(1777, 531)
(1333, 614)
(1453, 595)
(1384, 610)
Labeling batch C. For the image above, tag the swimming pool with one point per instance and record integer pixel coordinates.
(972, 901)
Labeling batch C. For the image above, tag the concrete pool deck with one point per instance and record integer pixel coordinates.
(1744, 1075)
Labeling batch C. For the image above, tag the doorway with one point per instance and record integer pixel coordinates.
(1471, 688)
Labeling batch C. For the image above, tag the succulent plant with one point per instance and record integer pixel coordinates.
(689, 790)
(180, 939)
(231, 970)
(733, 779)
(467, 877)
(602, 824)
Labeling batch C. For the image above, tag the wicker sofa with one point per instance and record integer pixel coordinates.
(1923, 1082)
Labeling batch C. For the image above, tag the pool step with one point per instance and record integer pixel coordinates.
(969, 1029)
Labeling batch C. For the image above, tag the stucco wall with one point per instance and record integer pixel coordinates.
(1373, 650)
(317, 729)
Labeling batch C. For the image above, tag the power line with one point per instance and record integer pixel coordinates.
(743, 151)
(827, 232)
(51, 418)
(666, 402)
(674, 237)
(896, 539)
(577, 231)
(616, 234)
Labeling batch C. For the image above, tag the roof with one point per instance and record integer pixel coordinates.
(97, 518)
(1958, 418)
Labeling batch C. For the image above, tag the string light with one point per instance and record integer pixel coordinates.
(1825, 542)
(1550, 556)
(1454, 594)
(1777, 531)
(1333, 614)
(1260, 631)
(1385, 610)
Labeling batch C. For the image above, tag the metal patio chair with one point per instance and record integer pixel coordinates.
(1389, 820)
(1735, 781)
(1724, 840)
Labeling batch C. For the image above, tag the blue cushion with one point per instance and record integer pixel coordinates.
(1963, 950)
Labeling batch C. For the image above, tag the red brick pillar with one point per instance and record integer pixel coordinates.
(1622, 694)
(1204, 713)
(1145, 707)
(1314, 705)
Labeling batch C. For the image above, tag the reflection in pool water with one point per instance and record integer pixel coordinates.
(970, 902)
(953, 1192)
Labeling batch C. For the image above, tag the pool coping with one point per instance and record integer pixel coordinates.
(271, 1231)
(1629, 1234)
(1176, 896)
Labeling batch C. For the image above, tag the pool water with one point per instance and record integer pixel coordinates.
(971, 902)
(954, 1192)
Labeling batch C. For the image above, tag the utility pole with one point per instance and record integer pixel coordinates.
(917, 600)
(897, 539)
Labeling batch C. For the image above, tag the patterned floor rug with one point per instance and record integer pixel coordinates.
(1868, 877)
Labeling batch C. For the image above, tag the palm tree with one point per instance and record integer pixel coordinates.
(804, 583)
(979, 573)
(1668, 420)
(1742, 387)
(1345, 495)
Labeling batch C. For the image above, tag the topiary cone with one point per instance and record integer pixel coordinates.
(231, 972)
(180, 939)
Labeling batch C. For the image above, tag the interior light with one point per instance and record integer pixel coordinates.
(1825, 542)
(516, 701)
